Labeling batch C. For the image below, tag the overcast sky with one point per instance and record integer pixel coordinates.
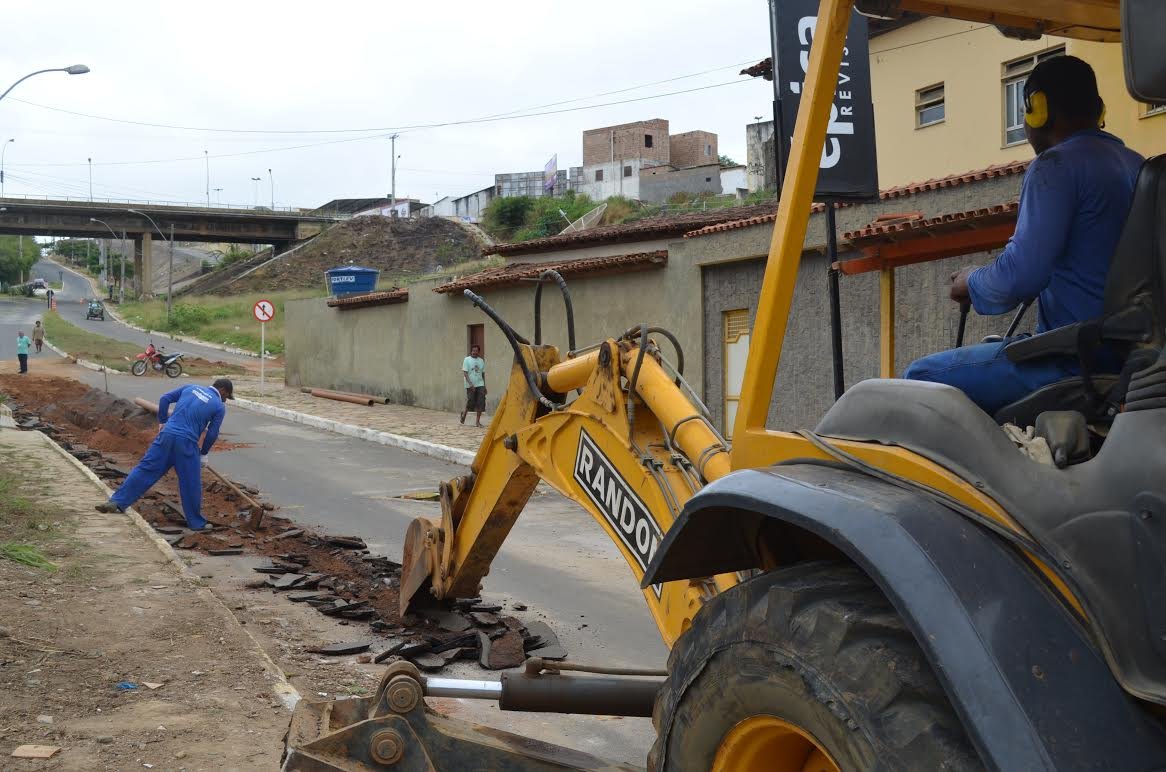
(296, 66)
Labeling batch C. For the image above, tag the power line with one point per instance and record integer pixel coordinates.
(386, 132)
(496, 116)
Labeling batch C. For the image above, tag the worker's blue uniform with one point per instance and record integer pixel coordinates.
(197, 409)
(1073, 205)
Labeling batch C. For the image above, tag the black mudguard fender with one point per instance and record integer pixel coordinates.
(1027, 682)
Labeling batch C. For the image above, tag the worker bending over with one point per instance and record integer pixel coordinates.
(1073, 204)
(197, 409)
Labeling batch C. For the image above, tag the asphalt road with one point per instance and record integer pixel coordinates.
(556, 560)
(76, 288)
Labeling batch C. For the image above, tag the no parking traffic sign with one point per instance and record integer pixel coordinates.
(264, 311)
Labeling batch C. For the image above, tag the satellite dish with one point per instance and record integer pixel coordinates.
(587, 220)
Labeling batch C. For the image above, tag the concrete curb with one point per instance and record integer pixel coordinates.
(121, 320)
(284, 691)
(424, 447)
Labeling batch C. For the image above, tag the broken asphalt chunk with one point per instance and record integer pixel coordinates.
(170, 530)
(428, 662)
(288, 581)
(548, 646)
(483, 618)
(226, 551)
(506, 651)
(301, 597)
(446, 620)
(389, 652)
(338, 649)
(290, 534)
(346, 542)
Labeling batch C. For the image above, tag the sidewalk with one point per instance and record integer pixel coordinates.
(433, 426)
(118, 657)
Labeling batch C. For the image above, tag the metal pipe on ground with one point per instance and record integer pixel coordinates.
(341, 396)
(374, 398)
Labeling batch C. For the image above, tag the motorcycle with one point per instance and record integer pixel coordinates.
(171, 364)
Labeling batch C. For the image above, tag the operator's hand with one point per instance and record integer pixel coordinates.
(959, 286)
(205, 460)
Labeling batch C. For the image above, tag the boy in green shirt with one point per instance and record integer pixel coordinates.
(474, 374)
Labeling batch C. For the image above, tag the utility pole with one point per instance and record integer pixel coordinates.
(271, 179)
(393, 180)
(207, 157)
(90, 160)
(170, 276)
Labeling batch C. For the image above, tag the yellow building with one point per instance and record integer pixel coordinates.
(947, 97)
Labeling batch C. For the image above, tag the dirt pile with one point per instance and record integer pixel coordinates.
(335, 574)
(396, 247)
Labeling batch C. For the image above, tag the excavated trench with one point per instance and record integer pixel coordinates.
(336, 574)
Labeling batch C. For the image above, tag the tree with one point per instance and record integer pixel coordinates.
(15, 264)
(726, 161)
(503, 216)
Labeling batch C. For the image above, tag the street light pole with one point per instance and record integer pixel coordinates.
(122, 288)
(207, 156)
(256, 186)
(393, 178)
(218, 198)
(73, 69)
(3, 148)
(90, 160)
(271, 179)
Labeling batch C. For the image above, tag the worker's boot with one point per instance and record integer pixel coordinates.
(108, 507)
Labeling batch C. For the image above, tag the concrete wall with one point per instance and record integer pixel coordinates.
(659, 183)
(760, 161)
(734, 179)
(412, 352)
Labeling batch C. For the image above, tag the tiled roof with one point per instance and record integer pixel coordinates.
(910, 227)
(652, 227)
(365, 299)
(516, 273)
(901, 191)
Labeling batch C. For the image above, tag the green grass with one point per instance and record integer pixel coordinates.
(22, 523)
(114, 354)
(225, 320)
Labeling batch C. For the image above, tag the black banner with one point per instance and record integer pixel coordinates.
(848, 170)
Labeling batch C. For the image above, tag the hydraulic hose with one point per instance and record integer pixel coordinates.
(513, 338)
(635, 377)
(643, 330)
(570, 308)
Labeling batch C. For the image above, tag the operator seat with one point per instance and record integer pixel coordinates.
(1131, 323)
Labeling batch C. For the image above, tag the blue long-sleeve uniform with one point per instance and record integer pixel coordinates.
(1073, 206)
(197, 409)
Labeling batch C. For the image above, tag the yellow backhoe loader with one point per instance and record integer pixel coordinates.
(900, 588)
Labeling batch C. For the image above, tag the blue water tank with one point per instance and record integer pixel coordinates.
(352, 278)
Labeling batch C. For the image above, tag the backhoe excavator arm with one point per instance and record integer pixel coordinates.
(631, 449)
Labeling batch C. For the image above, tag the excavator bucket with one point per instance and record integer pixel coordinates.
(419, 560)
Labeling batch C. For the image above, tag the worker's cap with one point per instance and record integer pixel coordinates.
(224, 385)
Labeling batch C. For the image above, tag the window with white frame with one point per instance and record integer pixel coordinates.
(1015, 74)
(1158, 109)
(929, 106)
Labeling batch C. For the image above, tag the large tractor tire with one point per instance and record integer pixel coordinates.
(807, 668)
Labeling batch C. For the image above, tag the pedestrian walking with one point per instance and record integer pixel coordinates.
(22, 344)
(474, 374)
(38, 336)
(197, 409)
(48, 300)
